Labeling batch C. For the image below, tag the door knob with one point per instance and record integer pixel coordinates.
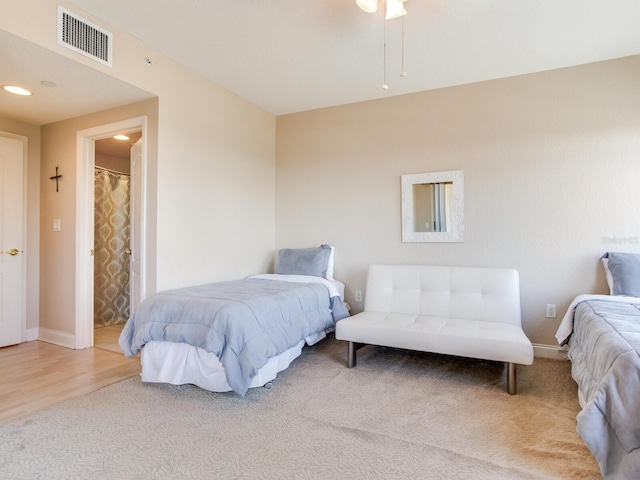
(13, 252)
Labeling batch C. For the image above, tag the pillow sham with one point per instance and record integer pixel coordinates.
(623, 273)
(304, 261)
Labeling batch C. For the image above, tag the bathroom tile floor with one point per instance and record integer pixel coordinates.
(106, 338)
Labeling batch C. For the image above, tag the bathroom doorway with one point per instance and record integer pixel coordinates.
(112, 237)
(85, 222)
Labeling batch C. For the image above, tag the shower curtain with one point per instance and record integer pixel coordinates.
(111, 244)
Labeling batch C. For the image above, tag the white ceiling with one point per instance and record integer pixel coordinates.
(79, 89)
(295, 55)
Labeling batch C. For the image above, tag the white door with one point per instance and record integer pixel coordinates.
(11, 238)
(135, 240)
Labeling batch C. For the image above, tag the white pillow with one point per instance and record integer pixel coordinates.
(607, 273)
(329, 275)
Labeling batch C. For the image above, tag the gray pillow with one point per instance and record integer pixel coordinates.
(304, 261)
(625, 273)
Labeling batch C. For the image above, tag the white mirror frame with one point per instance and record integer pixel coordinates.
(457, 209)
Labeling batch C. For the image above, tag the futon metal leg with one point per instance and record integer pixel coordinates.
(511, 378)
(351, 355)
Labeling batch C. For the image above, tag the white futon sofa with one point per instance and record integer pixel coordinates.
(464, 311)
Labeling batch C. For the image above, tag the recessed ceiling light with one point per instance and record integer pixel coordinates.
(17, 90)
(121, 137)
(47, 83)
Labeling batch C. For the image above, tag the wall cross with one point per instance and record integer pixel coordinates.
(56, 177)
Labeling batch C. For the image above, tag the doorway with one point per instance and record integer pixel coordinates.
(89, 157)
(112, 237)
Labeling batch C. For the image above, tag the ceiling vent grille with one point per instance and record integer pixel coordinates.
(84, 37)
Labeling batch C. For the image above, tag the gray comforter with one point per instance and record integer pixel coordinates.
(605, 352)
(243, 322)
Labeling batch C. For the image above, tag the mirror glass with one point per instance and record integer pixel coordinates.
(433, 207)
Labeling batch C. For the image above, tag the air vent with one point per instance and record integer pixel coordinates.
(84, 37)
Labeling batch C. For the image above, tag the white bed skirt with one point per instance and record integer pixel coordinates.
(179, 364)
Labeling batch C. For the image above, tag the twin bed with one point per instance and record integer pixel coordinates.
(238, 334)
(603, 336)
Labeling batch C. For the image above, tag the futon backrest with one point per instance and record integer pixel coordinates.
(469, 293)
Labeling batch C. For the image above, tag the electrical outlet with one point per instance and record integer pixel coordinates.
(551, 310)
(358, 296)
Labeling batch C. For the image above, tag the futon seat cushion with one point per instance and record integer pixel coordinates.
(498, 341)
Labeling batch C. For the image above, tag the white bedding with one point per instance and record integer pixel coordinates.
(181, 364)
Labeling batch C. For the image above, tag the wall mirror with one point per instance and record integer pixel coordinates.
(433, 207)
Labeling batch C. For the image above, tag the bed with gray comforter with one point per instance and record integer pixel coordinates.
(243, 322)
(604, 348)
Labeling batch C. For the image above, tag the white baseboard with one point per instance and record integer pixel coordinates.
(549, 351)
(67, 340)
(57, 338)
(30, 335)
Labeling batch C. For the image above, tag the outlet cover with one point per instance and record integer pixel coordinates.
(551, 310)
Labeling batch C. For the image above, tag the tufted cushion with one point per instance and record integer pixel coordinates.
(452, 292)
(501, 342)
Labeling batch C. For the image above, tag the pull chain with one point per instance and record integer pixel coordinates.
(384, 56)
(403, 72)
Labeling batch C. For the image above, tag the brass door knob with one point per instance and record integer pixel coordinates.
(13, 252)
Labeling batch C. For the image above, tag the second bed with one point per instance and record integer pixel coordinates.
(232, 335)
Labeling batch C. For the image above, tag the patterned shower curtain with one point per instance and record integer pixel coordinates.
(111, 241)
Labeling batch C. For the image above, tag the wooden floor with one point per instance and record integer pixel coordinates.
(37, 375)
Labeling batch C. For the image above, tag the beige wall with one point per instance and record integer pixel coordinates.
(116, 164)
(32, 245)
(214, 177)
(58, 262)
(216, 188)
(548, 159)
(551, 164)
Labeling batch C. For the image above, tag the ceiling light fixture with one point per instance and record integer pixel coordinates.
(121, 137)
(17, 90)
(368, 6)
(395, 9)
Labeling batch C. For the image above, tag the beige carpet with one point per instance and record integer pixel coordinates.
(397, 415)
